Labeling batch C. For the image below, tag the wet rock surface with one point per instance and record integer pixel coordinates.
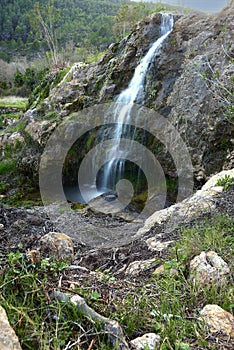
(189, 83)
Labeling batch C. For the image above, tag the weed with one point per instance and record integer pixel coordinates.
(227, 181)
(40, 322)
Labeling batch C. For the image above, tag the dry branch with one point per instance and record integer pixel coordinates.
(111, 327)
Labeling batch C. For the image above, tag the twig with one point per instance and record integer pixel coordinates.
(112, 327)
(91, 344)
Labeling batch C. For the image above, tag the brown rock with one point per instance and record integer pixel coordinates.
(58, 245)
(34, 256)
(8, 338)
(218, 320)
(160, 270)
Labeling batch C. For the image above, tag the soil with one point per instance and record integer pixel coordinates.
(24, 227)
(99, 269)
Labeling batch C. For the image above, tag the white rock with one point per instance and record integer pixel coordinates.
(190, 208)
(209, 267)
(136, 267)
(157, 245)
(151, 341)
(8, 338)
(14, 138)
(212, 182)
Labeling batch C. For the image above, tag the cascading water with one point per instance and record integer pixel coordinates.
(91, 184)
(114, 170)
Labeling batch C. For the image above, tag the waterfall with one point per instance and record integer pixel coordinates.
(114, 169)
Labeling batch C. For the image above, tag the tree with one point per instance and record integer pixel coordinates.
(127, 16)
(44, 19)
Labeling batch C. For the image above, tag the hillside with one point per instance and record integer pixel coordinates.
(78, 24)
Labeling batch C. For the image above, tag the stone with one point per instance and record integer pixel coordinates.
(218, 320)
(8, 338)
(202, 201)
(15, 138)
(151, 341)
(58, 245)
(156, 245)
(137, 267)
(209, 268)
(34, 256)
(160, 270)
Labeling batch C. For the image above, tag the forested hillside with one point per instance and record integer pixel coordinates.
(77, 23)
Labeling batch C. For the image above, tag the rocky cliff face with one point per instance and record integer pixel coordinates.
(190, 83)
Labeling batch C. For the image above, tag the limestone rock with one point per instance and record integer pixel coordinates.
(150, 341)
(202, 201)
(156, 245)
(218, 320)
(58, 245)
(8, 338)
(208, 268)
(15, 138)
(136, 267)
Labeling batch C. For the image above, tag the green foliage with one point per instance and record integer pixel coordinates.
(7, 167)
(85, 23)
(18, 79)
(29, 79)
(59, 77)
(227, 181)
(65, 26)
(129, 14)
(214, 234)
(39, 321)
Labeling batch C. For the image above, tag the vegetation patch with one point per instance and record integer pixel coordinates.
(13, 102)
(167, 304)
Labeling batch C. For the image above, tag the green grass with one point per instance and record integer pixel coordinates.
(13, 102)
(39, 321)
(167, 304)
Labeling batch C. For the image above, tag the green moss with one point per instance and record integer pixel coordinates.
(20, 126)
(59, 76)
(50, 116)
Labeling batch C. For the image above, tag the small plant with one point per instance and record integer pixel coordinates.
(227, 181)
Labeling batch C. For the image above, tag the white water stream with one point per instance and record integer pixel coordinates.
(121, 115)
